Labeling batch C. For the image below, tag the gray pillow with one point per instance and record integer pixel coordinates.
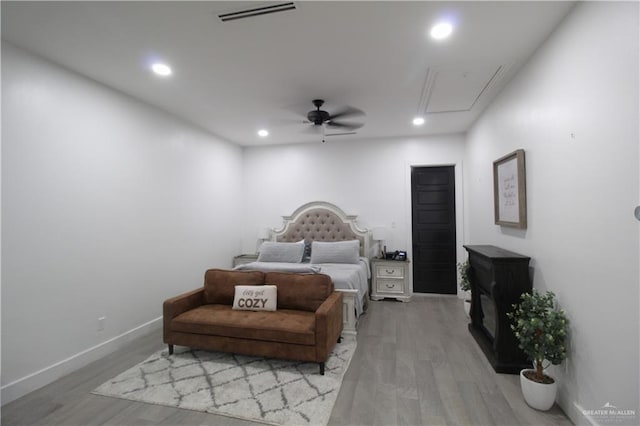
(271, 251)
(338, 252)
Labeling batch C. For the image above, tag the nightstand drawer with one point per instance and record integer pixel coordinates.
(387, 271)
(391, 286)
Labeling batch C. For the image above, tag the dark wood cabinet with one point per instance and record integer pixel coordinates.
(498, 277)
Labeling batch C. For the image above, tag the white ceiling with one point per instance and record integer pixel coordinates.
(236, 77)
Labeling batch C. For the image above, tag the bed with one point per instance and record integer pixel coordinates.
(333, 234)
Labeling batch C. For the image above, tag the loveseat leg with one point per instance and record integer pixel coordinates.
(339, 339)
(321, 368)
(170, 349)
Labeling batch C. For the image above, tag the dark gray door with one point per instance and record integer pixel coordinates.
(434, 229)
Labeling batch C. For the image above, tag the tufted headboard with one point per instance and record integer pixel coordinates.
(322, 221)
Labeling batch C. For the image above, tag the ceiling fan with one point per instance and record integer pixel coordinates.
(321, 119)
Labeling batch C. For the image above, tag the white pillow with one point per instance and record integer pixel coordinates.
(271, 251)
(255, 298)
(338, 252)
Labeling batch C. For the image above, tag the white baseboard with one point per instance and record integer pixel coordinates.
(436, 295)
(18, 388)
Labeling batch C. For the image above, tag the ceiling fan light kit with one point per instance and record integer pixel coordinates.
(318, 116)
(323, 119)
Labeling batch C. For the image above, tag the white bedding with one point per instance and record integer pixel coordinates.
(344, 275)
(350, 276)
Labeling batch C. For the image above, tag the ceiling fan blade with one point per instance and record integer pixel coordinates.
(345, 112)
(348, 126)
(341, 134)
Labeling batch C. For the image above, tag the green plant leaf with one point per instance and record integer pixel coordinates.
(540, 327)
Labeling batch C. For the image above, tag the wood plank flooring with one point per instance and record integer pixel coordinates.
(416, 364)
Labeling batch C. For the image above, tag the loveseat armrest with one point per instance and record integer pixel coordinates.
(177, 305)
(328, 325)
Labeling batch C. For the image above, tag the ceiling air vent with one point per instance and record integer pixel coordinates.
(256, 11)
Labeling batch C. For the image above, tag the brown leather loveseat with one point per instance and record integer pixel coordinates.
(305, 327)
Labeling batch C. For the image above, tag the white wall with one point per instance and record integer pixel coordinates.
(109, 206)
(370, 179)
(574, 109)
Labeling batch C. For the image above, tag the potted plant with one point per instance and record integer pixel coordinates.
(541, 330)
(465, 285)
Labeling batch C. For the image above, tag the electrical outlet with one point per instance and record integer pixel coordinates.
(101, 322)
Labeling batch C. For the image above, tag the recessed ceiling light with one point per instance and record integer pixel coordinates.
(441, 30)
(263, 133)
(418, 121)
(161, 69)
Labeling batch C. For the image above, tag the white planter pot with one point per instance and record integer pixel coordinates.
(538, 395)
(467, 307)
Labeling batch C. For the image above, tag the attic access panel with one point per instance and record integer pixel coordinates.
(458, 91)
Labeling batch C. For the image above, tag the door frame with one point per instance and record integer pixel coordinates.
(459, 197)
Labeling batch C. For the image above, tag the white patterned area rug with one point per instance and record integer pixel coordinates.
(259, 389)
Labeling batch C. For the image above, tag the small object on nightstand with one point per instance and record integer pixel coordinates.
(390, 279)
(242, 259)
(379, 234)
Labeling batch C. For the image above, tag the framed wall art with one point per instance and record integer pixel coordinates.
(509, 190)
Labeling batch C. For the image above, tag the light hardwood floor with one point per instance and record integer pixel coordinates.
(416, 364)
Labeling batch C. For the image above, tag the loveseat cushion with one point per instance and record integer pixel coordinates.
(304, 292)
(219, 284)
(283, 325)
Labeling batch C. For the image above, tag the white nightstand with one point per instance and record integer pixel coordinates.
(241, 259)
(390, 279)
